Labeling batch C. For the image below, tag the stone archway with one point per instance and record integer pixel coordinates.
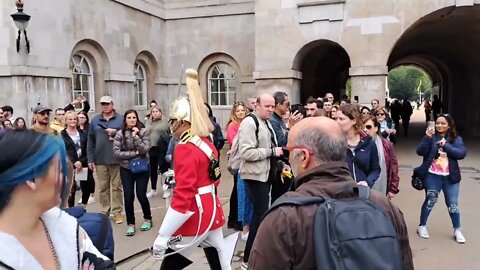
(445, 43)
(324, 66)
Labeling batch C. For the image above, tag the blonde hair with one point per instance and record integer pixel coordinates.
(67, 114)
(200, 123)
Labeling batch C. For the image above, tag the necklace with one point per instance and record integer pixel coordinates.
(50, 243)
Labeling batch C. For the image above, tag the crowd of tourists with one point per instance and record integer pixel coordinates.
(280, 156)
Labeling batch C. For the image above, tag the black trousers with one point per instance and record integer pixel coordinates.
(406, 124)
(258, 192)
(87, 187)
(233, 214)
(154, 161)
(138, 182)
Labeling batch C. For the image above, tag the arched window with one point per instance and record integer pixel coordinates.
(140, 85)
(82, 80)
(221, 84)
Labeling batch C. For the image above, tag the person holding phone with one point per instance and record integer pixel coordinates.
(441, 149)
(387, 126)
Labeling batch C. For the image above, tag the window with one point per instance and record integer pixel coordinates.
(82, 80)
(221, 84)
(140, 86)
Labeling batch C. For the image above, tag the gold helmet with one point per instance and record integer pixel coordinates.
(192, 108)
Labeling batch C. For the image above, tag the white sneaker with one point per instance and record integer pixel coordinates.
(423, 232)
(91, 200)
(244, 236)
(244, 266)
(459, 236)
(152, 193)
(80, 201)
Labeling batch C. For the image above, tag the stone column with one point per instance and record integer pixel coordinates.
(287, 81)
(369, 83)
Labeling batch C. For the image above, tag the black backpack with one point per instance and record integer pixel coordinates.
(351, 234)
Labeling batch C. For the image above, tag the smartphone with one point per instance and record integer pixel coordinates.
(431, 125)
(298, 108)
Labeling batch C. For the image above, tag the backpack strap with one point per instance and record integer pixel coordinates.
(363, 192)
(102, 236)
(257, 124)
(297, 201)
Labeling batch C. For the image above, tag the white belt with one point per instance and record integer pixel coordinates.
(206, 189)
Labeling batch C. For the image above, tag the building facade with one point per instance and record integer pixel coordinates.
(136, 50)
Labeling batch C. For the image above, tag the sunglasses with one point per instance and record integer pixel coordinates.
(238, 103)
(105, 104)
(368, 127)
(366, 113)
(380, 114)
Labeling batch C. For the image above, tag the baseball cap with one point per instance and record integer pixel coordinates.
(106, 99)
(41, 108)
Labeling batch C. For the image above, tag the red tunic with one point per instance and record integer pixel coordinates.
(191, 172)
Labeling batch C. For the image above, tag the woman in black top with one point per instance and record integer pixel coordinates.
(76, 144)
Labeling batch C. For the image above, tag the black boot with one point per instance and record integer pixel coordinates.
(174, 262)
(212, 257)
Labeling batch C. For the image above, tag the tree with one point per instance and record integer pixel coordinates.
(406, 82)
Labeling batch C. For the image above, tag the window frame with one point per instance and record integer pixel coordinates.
(90, 77)
(230, 84)
(136, 93)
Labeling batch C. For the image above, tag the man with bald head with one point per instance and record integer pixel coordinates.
(285, 238)
(257, 149)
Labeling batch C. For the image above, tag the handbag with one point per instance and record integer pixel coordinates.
(139, 165)
(417, 182)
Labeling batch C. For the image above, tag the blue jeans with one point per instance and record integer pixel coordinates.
(433, 185)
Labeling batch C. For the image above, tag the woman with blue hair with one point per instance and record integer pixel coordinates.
(34, 232)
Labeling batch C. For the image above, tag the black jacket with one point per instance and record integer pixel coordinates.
(71, 150)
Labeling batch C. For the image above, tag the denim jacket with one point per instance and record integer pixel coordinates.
(428, 149)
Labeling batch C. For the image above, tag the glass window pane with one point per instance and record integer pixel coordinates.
(85, 67)
(223, 99)
(140, 93)
(85, 82)
(214, 99)
(222, 86)
(76, 82)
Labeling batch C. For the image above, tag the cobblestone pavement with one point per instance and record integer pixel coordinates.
(439, 252)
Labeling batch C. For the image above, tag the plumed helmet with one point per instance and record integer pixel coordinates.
(181, 110)
(191, 108)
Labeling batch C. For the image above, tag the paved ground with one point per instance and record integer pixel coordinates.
(439, 252)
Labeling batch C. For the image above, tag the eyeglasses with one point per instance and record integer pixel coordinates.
(380, 114)
(287, 103)
(368, 126)
(299, 147)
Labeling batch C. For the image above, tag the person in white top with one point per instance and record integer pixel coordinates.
(35, 233)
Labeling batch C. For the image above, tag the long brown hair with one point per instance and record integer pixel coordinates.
(353, 112)
(452, 130)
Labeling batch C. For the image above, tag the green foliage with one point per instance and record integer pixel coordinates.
(348, 90)
(406, 82)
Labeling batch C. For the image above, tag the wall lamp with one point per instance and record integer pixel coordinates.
(21, 21)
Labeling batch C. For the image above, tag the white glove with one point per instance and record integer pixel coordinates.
(172, 221)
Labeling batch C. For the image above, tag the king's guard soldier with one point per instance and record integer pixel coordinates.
(195, 216)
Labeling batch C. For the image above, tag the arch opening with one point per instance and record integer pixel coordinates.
(445, 44)
(324, 65)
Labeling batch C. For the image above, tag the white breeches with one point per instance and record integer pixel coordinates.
(211, 239)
